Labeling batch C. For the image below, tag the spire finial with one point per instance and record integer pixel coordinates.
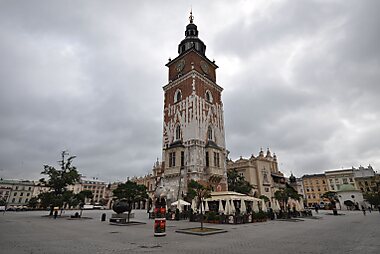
(191, 18)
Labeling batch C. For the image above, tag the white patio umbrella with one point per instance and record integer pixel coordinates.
(302, 206)
(255, 207)
(243, 207)
(278, 205)
(202, 207)
(206, 207)
(221, 209)
(233, 210)
(179, 206)
(228, 207)
(274, 206)
(263, 206)
(194, 205)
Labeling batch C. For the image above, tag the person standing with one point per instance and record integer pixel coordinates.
(363, 209)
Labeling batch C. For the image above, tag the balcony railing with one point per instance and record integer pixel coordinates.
(172, 171)
(214, 171)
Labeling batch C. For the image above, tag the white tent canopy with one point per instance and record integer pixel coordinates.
(181, 203)
(230, 195)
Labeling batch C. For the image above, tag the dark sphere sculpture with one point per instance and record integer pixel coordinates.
(121, 206)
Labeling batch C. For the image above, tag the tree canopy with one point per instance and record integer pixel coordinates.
(284, 195)
(131, 192)
(58, 180)
(237, 182)
(372, 198)
(199, 191)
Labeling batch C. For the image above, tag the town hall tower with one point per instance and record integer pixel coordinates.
(193, 125)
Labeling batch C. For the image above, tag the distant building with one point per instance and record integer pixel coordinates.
(96, 186)
(347, 195)
(18, 192)
(368, 183)
(336, 178)
(314, 187)
(261, 172)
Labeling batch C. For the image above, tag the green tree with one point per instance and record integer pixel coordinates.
(265, 198)
(372, 198)
(33, 202)
(58, 180)
(80, 198)
(283, 196)
(237, 182)
(3, 202)
(130, 192)
(198, 191)
(332, 196)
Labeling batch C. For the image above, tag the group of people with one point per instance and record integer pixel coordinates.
(369, 209)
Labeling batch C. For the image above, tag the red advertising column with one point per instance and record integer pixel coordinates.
(160, 218)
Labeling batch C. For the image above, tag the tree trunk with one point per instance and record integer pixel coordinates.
(201, 216)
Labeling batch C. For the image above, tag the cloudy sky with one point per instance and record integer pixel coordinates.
(300, 77)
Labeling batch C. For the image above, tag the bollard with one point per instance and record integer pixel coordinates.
(103, 217)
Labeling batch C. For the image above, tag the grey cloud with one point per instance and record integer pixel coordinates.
(89, 77)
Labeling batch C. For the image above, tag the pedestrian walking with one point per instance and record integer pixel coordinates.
(55, 214)
(363, 209)
(370, 209)
(316, 208)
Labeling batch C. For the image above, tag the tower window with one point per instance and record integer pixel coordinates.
(178, 132)
(216, 160)
(209, 134)
(182, 159)
(177, 96)
(208, 96)
(172, 159)
(207, 160)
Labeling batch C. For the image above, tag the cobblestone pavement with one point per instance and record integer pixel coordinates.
(30, 232)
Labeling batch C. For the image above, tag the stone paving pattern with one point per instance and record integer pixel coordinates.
(30, 232)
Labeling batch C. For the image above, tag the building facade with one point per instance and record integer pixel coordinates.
(336, 178)
(314, 187)
(193, 124)
(17, 192)
(261, 172)
(96, 186)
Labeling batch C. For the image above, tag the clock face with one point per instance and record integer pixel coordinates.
(204, 66)
(180, 65)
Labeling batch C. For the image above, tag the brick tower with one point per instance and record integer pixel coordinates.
(193, 127)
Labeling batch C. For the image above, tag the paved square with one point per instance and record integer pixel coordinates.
(29, 232)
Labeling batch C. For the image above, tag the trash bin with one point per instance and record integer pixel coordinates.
(103, 217)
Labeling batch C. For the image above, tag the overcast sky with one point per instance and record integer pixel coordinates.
(299, 77)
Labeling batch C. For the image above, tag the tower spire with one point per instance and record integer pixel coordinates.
(191, 18)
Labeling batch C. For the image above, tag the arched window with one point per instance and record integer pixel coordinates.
(178, 132)
(177, 96)
(208, 96)
(209, 133)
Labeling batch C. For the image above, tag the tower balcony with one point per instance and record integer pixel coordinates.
(213, 171)
(172, 171)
